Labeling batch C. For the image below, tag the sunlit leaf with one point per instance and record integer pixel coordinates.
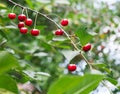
(29, 2)
(7, 61)
(75, 84)
(3, 91)
(100, 65)
(7, 83)
(2, 5)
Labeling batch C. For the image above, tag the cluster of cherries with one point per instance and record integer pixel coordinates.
(28, 22)
(35, 32)
(24, 21)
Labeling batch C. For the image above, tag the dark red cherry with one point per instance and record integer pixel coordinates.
(28, 22)
(23, 30)
(64, 22)
(35, 32)
(21, 24)
(21, 17)
(87, 47)
(11, 15)
(59, 32)
(71, 67)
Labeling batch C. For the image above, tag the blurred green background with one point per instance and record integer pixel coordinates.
(42, 59)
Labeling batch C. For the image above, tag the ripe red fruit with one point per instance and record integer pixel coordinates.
(64, 22)
(71, 67)
(21, 24)
(35, 32)
(28, 22)
(23, 30)
(87, 47)
(21, 17)
(59, 32)
(11, 15)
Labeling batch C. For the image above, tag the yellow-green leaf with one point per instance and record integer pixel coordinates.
(71, 84)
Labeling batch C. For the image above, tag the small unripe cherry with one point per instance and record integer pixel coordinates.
(28, 22)
(23, 30)
(21, 17)
(35, 32)
(11, 15)
(71, 67)
(87, 47)
(64, 22)
(59, 32)
(21, 24)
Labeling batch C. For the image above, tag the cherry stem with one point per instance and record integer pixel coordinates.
(23, 10)
(14, 8)
(35, 20)
(26, 12)
(67, 35)
(86, 61)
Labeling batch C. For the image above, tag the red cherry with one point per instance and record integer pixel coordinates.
(21, 24)
(59, 32)
(35, 32)
(23, 30)
(87, 47)
(71, 67)
(64, 22)
(28, 22)
(21, 17)
(11, 15)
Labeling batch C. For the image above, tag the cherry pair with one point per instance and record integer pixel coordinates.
(64, 22)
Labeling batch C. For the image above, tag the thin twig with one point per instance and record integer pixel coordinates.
(48, 19)
(13, 8)
(26, 13)
(35, 20)
(86, 61)
(44, 15)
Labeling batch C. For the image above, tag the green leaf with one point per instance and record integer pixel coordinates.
(29, 3)
(7, 83)
(37, 75)
(19, 76)
(2, 5)
(113, 81)
(3, 42)
(59, 38)
(83, 35)
(106, 70)
(99, 65)
(7, 27)
(69, 54)
(3, 34)
(3, 91)
(75, 84)
(7, 61)
(60, 44)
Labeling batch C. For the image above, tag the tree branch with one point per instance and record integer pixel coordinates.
(44, 15)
